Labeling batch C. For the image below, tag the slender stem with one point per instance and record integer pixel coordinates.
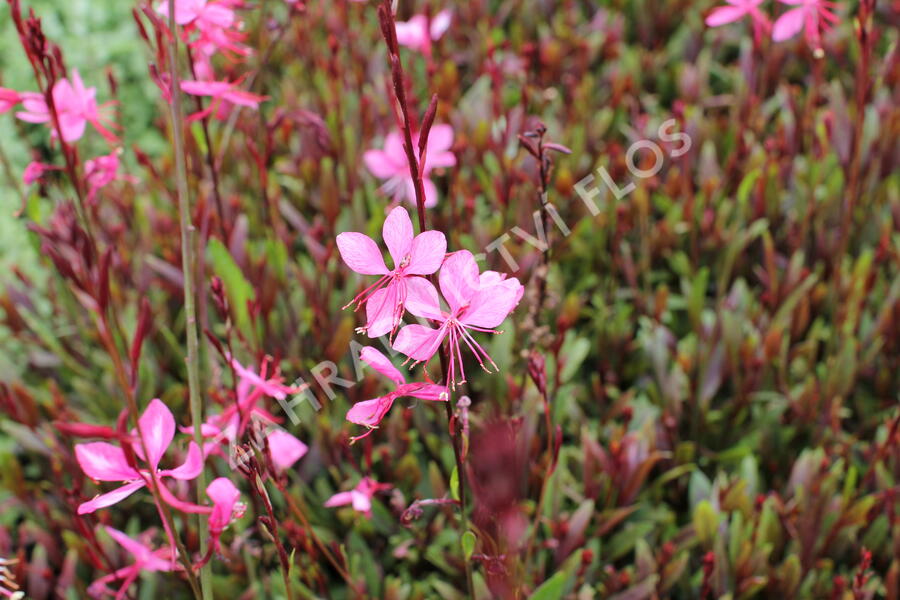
(188, 235)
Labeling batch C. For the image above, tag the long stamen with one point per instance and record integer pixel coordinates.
(468, 337)
(366, 293)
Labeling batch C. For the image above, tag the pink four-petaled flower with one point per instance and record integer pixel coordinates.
(477, 302)
(359, 497)
(102, 461)
(222, 93)
(370, 412)
(810, 16)
(391, 163)
(413, 257)
(145, 559)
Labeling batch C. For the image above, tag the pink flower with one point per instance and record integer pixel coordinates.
(735, 10)
(811, 16)
(391, 163)
(412, 256)
(359, 497)
(225, 507)
(75, 105)
(145, 559)
(232, 423)
(477, 303)
(214, 21)
(8, 99)
(103, 170)
(222, 92)
(371, 412)
(102, 461)
(418, 32)
(35, 170)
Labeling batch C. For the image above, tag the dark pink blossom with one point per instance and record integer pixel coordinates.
(370, 412)
(735, 10)
(359, 497)
(103, 170)
(35, 170)
(412, 256)
(391, 163)
(477, 302)
(8, 99)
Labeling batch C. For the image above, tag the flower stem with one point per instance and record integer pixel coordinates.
(188, 235)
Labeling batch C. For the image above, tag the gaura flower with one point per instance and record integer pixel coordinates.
(35, 170)
(225, 507)
(75, 105)
(103, 170)
(145, 559)
(102, 461)
(735, 10)
(810, 16)
(359, 497)
(8, 99)
(391, 163)
(418, 32)
(477, 302)
(214, 21)
(231, 424)
(370, 412)
(223, 93)
(412, 256)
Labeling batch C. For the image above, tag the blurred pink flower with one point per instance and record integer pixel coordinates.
(412, 256)
(371, 412)
(145, 559)
(103, 170)
(810, 16)
(418, 32)
(478, 302)
(225, 507)
(75, 105)
(222, 92)
(735, 10)
(391, 163)
(8, 99)
(102, 461)
(215, 22)
(359, 497)
(35, 170)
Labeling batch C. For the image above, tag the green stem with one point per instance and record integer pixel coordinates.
(188, 237)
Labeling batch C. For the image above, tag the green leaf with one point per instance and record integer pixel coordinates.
(454, 484)
(468, 544)
(239, 290)
(552, 589)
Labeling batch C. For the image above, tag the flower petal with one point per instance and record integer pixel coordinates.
(427, 253)
(459, 279)
(339, 499)
(370, 412)
(419, 342)
(102, 461)
(397, 232)
(157, 426)
(383, 310)
(109, 498)
(788, 25)
(285, 449)
(422, 299)
(381, 363)
(192, 466)
(361, 253)
(424, 391)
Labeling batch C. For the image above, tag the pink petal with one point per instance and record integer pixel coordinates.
(422, 299)
(110, 498)
(138, 550)
(339, 499)
(440, 23)
(459, 279)
(157, 425)
(224, 495)
(427, 253)
(788, 25)
(418, 342)
(192, 467)
(102, 461)
(285, 449)
(431, 194)
(492, 304)
(397, 232)
(381, 363)
(361, 502)
(725, 14)
(361, 253)
(440, 139)
(423, 391)
(382, 313)
(412, 33)
(381, 165)
(370, 412)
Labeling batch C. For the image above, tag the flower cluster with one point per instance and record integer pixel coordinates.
(809, 16)
(476, 302)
